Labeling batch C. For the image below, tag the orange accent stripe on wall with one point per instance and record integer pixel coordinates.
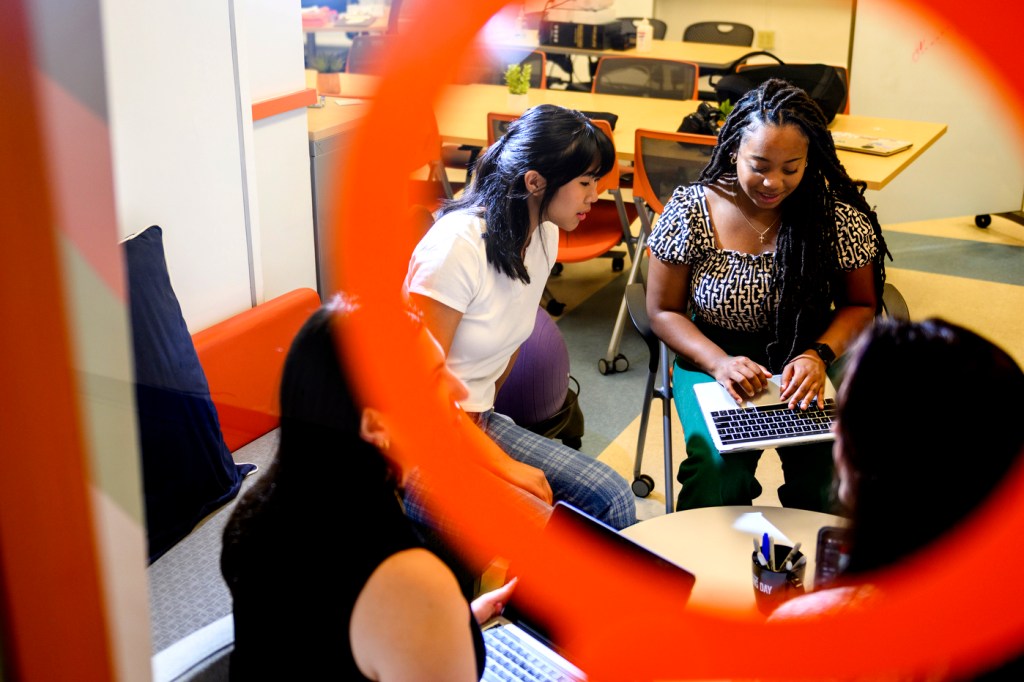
(279, 105)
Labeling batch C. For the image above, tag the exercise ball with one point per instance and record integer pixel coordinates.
(539, 382)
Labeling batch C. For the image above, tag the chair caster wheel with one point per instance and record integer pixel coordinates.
(642, 485)
(556, 270)
(554, 307)
(619, 364)
(618, 264)
(983, 220)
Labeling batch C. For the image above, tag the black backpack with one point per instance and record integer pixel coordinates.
(824, 83)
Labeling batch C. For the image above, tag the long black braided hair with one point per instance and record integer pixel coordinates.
(808, 278)
(561, 144)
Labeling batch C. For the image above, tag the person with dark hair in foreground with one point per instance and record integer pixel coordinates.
(770, 263)
(906, 486)
(478, 275)
(378, 605)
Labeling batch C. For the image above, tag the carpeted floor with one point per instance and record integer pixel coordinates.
(948, 268)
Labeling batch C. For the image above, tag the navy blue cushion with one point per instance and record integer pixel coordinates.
(187, 469)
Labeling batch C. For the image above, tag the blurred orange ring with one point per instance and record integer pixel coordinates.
(952, 601)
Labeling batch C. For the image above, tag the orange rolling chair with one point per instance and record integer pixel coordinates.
(646, 77)
(663, 161)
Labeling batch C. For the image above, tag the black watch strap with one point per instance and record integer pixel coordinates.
(825, 352)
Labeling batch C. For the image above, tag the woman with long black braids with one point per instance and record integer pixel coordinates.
(771, 263)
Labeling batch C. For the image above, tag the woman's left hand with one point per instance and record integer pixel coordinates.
(803, 380)
(492, 603)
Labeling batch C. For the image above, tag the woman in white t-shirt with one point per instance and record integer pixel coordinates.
(478, 275)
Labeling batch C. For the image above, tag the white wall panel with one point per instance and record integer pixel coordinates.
(176, 138)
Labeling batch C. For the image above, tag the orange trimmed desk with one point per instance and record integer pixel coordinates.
(712, 543)
(462, 119)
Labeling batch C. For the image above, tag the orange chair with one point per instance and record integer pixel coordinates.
(606, 227)
(646, 77)
(433, 188)
(488, 68)
(662, 161)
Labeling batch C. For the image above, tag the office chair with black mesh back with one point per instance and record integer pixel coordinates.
(659, 385)
(366, 55)
(435, 187)
(662, 161)
(489, 68)
(646, 77)
(629, 24)
(538, 62)
(719, 32)
(893, 304)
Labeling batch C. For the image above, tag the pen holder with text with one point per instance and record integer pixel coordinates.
(772, 587)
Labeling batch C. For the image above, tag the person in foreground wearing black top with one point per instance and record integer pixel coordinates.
(907, 486)
(324, 568)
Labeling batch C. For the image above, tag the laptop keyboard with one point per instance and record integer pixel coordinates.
(746, 424)
(510, 659)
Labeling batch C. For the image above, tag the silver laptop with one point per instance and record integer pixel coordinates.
(519, 644)
(765, 421)
(879, 146)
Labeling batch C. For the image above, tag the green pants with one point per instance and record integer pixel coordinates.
(711, 479)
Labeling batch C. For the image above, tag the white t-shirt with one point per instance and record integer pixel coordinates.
(450, 266)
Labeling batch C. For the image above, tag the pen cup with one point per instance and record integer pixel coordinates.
(771, 588)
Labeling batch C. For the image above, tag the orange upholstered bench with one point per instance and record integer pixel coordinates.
(243, 357)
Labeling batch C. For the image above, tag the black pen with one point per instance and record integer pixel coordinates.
(796, 548)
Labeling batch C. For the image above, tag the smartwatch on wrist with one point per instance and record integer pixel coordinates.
(825, 353)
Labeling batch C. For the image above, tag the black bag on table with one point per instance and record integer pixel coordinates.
(703, 121)
(822, 82)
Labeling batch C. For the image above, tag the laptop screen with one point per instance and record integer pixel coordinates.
(575, 535)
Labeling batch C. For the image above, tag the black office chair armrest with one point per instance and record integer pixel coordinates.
(636, 304)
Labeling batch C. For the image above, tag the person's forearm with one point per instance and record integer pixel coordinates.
(848, 322)
(682, 336)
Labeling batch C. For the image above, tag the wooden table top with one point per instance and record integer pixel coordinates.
(462, 119)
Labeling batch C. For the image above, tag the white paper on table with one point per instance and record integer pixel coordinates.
(757, 525)
(346, 101)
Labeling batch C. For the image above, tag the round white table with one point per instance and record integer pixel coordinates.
(714, 543)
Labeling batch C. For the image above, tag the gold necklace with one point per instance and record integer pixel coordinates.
(760, 234)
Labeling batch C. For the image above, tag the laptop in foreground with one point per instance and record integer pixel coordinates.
(517, 641)
(764, 421)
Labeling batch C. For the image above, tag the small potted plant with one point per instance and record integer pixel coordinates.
(328, 65)
(517, 78)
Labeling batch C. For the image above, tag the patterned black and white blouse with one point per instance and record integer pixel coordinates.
(731, 289)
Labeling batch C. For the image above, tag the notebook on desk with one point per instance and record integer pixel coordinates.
(765, 421)
(517, 641)
(879, 146)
